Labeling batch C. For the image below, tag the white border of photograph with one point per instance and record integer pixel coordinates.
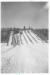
(49, 36)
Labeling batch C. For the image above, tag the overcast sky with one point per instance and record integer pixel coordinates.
(18, 14)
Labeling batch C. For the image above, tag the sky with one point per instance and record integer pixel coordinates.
(19, 14)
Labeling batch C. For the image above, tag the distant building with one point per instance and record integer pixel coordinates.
(24, 27)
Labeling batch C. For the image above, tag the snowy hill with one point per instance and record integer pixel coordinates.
(25, 52)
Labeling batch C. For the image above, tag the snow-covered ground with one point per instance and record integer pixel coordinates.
(31, 56)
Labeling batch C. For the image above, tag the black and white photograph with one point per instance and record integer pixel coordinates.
(24, 37)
